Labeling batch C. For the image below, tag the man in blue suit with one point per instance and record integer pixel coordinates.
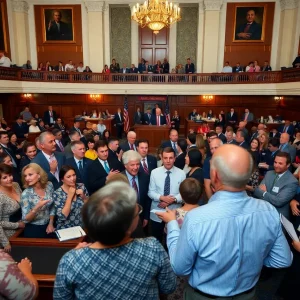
(249, 30)
(147, 116)
(172, 142)
(158, 119)
(79, 162)
(287, 128)
(20, 128)
(48, 159)
(148, 162)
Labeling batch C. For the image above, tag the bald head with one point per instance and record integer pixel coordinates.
(284, 138)
(231, 167)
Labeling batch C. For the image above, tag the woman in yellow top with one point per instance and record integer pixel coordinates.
(91, 152)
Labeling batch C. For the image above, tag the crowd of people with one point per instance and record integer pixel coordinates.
(213, 198)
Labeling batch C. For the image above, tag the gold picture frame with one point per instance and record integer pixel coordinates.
(3, 29)
(249, 23)
(58, 24)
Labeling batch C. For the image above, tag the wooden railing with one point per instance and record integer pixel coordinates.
(288, 75)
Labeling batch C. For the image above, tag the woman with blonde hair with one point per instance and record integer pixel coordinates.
(263, 148)
(37, 202)
(200, 143)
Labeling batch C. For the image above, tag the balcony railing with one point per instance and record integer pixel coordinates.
(288, 75)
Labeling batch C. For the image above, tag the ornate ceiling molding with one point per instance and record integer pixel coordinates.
(20, 6)
(213, 4)
(289, 4)
(94, 6)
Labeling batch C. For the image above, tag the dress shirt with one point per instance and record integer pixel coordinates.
(69, 67)
(51, 117)
(59, 144)
(101, 128)
(80, 69)
(49, 157)
(156, 188)
(132, 145)
(227, 69)
(5, 62)
(102, 163)
(223, 245)
(77, 162)
(129, 176)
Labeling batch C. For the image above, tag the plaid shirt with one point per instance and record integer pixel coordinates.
(137, 270)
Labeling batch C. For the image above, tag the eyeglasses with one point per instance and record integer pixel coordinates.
(139, 211)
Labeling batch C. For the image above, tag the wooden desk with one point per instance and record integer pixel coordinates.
(189, 124)
(45, 255)
(154, 134)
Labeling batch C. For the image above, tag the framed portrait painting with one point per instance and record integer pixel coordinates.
(249, 23)
(58, 25)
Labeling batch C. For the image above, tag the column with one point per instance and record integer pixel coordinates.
(172, 45)
(21, 32)
(211, 35)
(134, 40)
(289, 14)
(95, 36)
(106, 33)
(200, 37)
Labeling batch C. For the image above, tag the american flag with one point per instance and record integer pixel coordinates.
(126, 115)
(167, 113)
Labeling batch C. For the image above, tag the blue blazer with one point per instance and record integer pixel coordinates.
(152, 164)
(290, 129)
(41, 160)
(147, 120)
(20, 130)
(79, 177)
(162, 120)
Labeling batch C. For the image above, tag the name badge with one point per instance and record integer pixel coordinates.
(275, 189)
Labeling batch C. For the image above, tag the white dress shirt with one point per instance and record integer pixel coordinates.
(33, 128)
(51, 158)
(5, 62)
(80, 69)
(227, 69)
(157, 184)
(101, 128)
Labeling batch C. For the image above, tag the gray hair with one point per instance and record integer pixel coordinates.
(130, 155)
(131, 133)
(74, 143)
(43, 135)
(227, 175)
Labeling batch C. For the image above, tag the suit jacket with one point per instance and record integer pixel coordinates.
(141, 67)
(166, 144)
(138, 119)
(253, 136)
(250, 117)
(133, 70)
(125, 146)
(237, 69)
(80, 178)
(277, 135)
(152, 164)
(64, 32)
(254, 29)
(97, 181)
(223, 138)
(232, 142)
(143, 198)
(192, 115)
(147, 120)
(280, 196)
(162, 120)
(244, 145)
(289, 129)
(113, 156)
(266, 68)
(269, 159)
(127, 70)
(20, 130)
(41, 160)
(119, 121)
(234, 117)
(189, 68)
(291, 150)
(180, 160)
(11, 154)
(46, 118)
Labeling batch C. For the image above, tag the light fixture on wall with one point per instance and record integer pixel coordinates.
(278, 99)
(27, 96)
(207, 98)
(156, 14)
(95, 97)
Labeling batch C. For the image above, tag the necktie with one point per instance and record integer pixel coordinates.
(61, 146)
(145, 166)
(167, 184)
(53, 158)
(106, 167)
(247, 27)
(275, 180)
(134, 185)
(175, 149)
(80, 167)
(131, 147)
(51, 114)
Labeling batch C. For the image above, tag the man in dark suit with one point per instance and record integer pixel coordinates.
(133, 69)
(41, 126)
(189, 67)
(180, 158)
(266, 67)
(139, 181)
(240, 139)
(191, 140)
(287, 128)
(113, 149)
(20, 128)
(221, 135)
(73, 136)
(4, 140)
(138, 117)
(247, 116)
(119, 123)
(130, 143)
(249, 30)
(238, 68)
(268, 164)
(76, 127)
(279, 186)
(147, 117)
(100, 169)
(231, 117)
(58, 140)
(193, 114)
(148, 162)
(125, 70)
(260, 127)
(141, 66)
(58, 30)
(286, 147)
(59, 125)
(229, 138)
(49, 117)
(274, 133)
(79, 162)
(48, 159)
(172, 142)
(158, 119)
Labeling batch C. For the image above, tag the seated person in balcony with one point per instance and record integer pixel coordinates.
(41, 67)
(237, 68)
(166, 66)
(94, 114)
(158, 68)
(4, 60)
(141, 66)
(266, 67)
(87, 70)
(33, 127)
(80, 68)
(148, 68)
(106, 70)
(158, 119)
(180, 69)
(114, 67)
(256, 66)
(124, 70)
(60, 67)
(189, 67)
(27, 66)
(250, 67)
(69, 67)
(296, 62)
(48, 66)
(133, 69)
(227, 68)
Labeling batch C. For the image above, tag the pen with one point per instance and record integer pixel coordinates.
(58, 234)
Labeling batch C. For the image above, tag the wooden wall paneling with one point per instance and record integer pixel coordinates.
(4, 34)
(147, 54)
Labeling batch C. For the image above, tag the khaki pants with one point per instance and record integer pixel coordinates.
(191, 294)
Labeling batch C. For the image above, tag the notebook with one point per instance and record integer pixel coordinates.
(70, 233)
(289, 228)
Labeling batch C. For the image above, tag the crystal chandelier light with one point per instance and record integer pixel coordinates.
(156, 14)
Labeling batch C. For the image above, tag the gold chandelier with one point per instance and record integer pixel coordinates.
(156, 14)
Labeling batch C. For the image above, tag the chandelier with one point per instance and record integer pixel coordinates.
(156, 14)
